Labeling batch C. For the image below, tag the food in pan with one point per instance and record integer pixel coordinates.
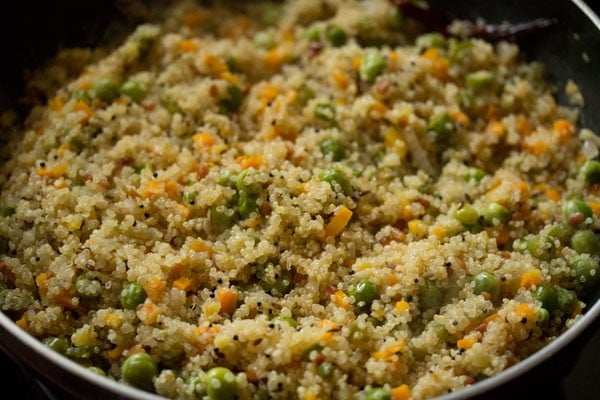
(283, 200)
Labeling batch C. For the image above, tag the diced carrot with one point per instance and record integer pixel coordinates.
(460, 118)
(379, 107)
(171, 188)
(392, 280)
(65, 299)
(84, 83)
(22, 322)
(522, 187)
(531, 277)
(466, 343)
(228, 300)
(341, 80)
(113, 320)
(394, 56)
(186, 46)
(340, 299)
(83, 107)
(538, 147)
(184, 283)
(525, 310)
(215, 65)
(595, 206)
(183, 211)
(42, 283)
(439, 64)
(554, 195)
(149, 313)
(155, 288)
(338, 222)
(386, 352)
(275, 58)
(401, 392)
(152, 189)
(267, 93)
(356, 62)
(115, 353)
(564, 128)
(56, 104)
(249, 161)
(204, 139)
(523, 126)
(402, 306)
(52, 172)
(417, 227)
(497, 128)
(200, 246)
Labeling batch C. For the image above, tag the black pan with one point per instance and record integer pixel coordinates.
(31, 31)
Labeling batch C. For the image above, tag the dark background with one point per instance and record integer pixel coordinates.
(580, 382)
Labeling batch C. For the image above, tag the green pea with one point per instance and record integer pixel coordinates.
(188, 198)
(442, 125)
(220, 384)
(132, 295)
(305, 94)
(591, 171)
(88, 288)
(364, 293)
(80, 95)
(139, 369)
(325, 370)
(7, 211)
(336, 178)
(372, 65)
(563, 232)
(576, 206)
(488, 283)
(477, 174)
(247, 205)
(82, 353)
(377, 394)
(134, 90)
(324, 111)
(543, 317)
(496, 214)
(480, 80)
(312, 33)
(245, 182)
(335, 35)
(430, 296)
(228, 178)
(334, 148)
(58, 344)
(586, 271)
(283, 319)
(541, 247)
(233, 99)
(567, 300)
(264, 40)
(97, 370)
(585, 241)
(278, 284)
(221, 217)
(547, 296)
(105, 89)
(440, 331)
(428, 40)
(467, 215)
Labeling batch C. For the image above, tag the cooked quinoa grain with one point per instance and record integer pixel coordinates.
(276, 200)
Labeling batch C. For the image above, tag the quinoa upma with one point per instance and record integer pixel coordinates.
(279, 200)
